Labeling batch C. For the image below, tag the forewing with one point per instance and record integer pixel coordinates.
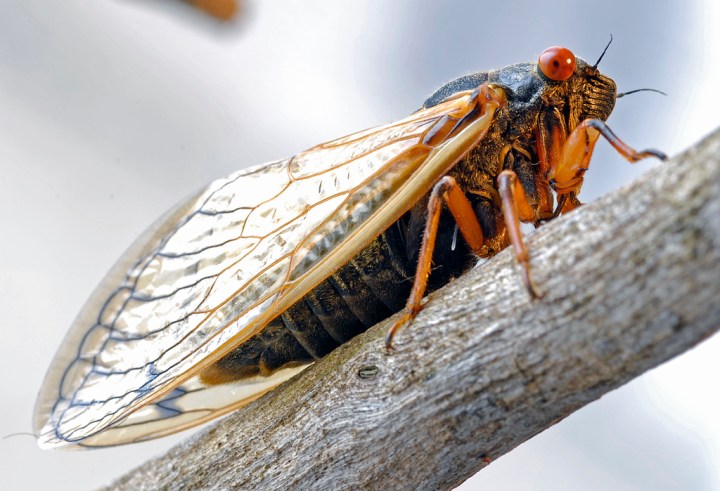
(218, 268)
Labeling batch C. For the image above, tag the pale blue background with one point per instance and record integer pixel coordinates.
(113, 110)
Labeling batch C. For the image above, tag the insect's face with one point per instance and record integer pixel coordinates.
(599, 93)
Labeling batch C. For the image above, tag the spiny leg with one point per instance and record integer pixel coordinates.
(567, 161)
(566, 175)
(571, 160)
(446, 190)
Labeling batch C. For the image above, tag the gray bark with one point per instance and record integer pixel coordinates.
(629, 282)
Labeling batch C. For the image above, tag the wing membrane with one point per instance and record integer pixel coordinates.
(218, 268)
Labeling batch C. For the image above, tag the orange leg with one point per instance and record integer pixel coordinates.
(512, 194)
(566, 175)
(566, 160)
(446, 190)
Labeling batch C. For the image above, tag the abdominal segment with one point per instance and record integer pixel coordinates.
(371, 287)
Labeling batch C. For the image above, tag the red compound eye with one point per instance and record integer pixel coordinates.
(557, 63)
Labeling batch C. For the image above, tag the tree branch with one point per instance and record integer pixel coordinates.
(629, 282)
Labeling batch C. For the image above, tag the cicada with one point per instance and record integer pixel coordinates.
(246, 283)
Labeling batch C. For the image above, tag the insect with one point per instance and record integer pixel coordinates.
(246, 283)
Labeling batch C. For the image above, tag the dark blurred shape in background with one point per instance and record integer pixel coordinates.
(224, 10)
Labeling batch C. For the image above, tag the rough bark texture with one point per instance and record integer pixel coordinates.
(629, 282)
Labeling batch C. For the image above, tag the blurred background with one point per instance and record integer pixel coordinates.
(113, 110)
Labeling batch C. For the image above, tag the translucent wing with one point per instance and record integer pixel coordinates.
(214, 271)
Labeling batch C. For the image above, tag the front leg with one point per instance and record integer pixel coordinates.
(566, 175)
(569, 159)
